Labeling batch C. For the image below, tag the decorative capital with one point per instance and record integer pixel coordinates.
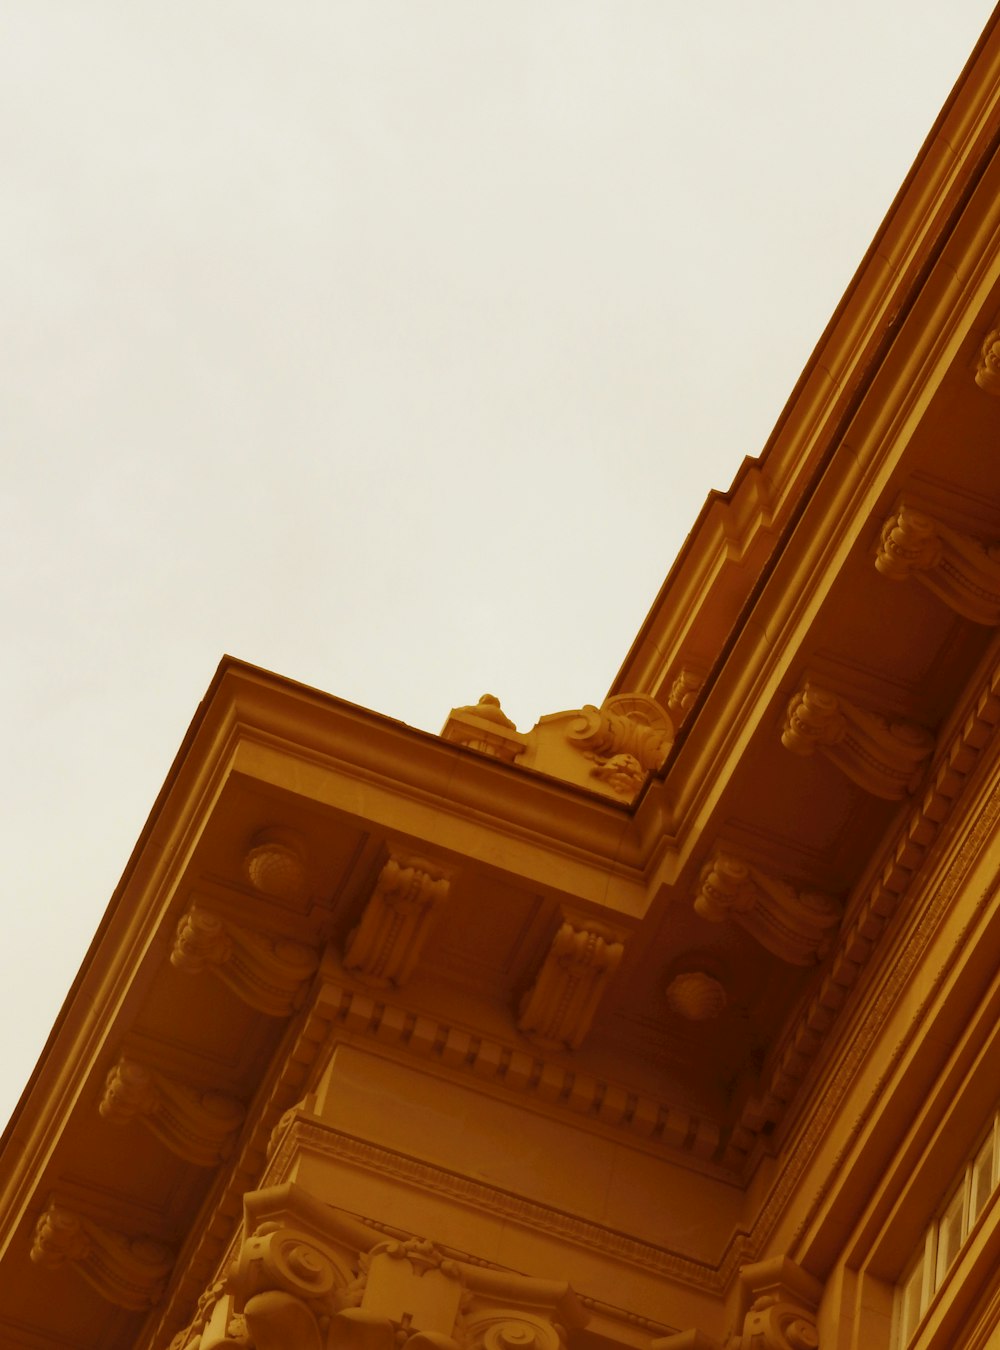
(198, 1126)
(385, 947)
(128, 1271)
(558, 1009)
(988, 366)
(887, 757)
(485, 727)
(960, 570)
(799, 927)
(779, 1301)
(271, 974)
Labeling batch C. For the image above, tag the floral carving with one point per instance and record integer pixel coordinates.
(385, 947)
(559, 1008)
(128, 1271)
(887, 757)
(960, 570)
(271, 974)
(696, 996)
(199, 1126)
(798, 927)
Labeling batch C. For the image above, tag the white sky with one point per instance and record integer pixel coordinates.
(393, 347)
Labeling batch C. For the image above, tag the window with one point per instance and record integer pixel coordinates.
(941, 1243)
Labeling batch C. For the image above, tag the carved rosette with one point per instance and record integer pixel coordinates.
(558, 1009)
(631, 725)
(275, 864)
(799, 927)
(199, 1126)
(696, 996)
(887, 757)
(384, 948)
(960, 570)
(988, 367)
(128, 1271)
(270, 974)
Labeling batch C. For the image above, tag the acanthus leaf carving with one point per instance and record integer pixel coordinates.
(385, 947)
(958, 569)
(884, 756)
(199, 1126)
(270, 974)
(130, 1272)
(797, 926)
(558, 1009)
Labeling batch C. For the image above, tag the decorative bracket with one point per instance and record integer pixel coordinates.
(558, 1009)
(128, 1271)
(271, 974)
(886, 757)
(199, 1126)
(798, 927)
(988, 367)
(385, 947)
(960, 570)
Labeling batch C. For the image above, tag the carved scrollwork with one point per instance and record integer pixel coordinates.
(199, 1126)
(270, 974)
(798, 927)
(128, 1271)
(507, 1330)
(385, 947)
(628, 724)
(887, 757)
(558, 1009)
(960, 570)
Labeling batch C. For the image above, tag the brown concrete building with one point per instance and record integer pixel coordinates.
(671, 1024)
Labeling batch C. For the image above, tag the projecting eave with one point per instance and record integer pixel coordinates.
(739, 534)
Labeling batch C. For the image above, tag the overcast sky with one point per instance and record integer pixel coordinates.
(393, 347)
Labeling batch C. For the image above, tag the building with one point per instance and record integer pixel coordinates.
(671, 1024)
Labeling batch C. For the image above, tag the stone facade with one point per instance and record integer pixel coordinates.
(672, 1023)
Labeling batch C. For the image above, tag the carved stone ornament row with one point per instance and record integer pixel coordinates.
(310, 1277)
(777, 1312)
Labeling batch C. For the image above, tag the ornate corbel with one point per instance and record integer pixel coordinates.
(797, 926)
(199, 1126)
(631, 725)
(684, 690)
(558, 1009)
(988, 365)
(484, 726)
(271, 974)
(885, 756)
(385, 947)
(779, 1302)
(958, 569)
(128, 1271)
